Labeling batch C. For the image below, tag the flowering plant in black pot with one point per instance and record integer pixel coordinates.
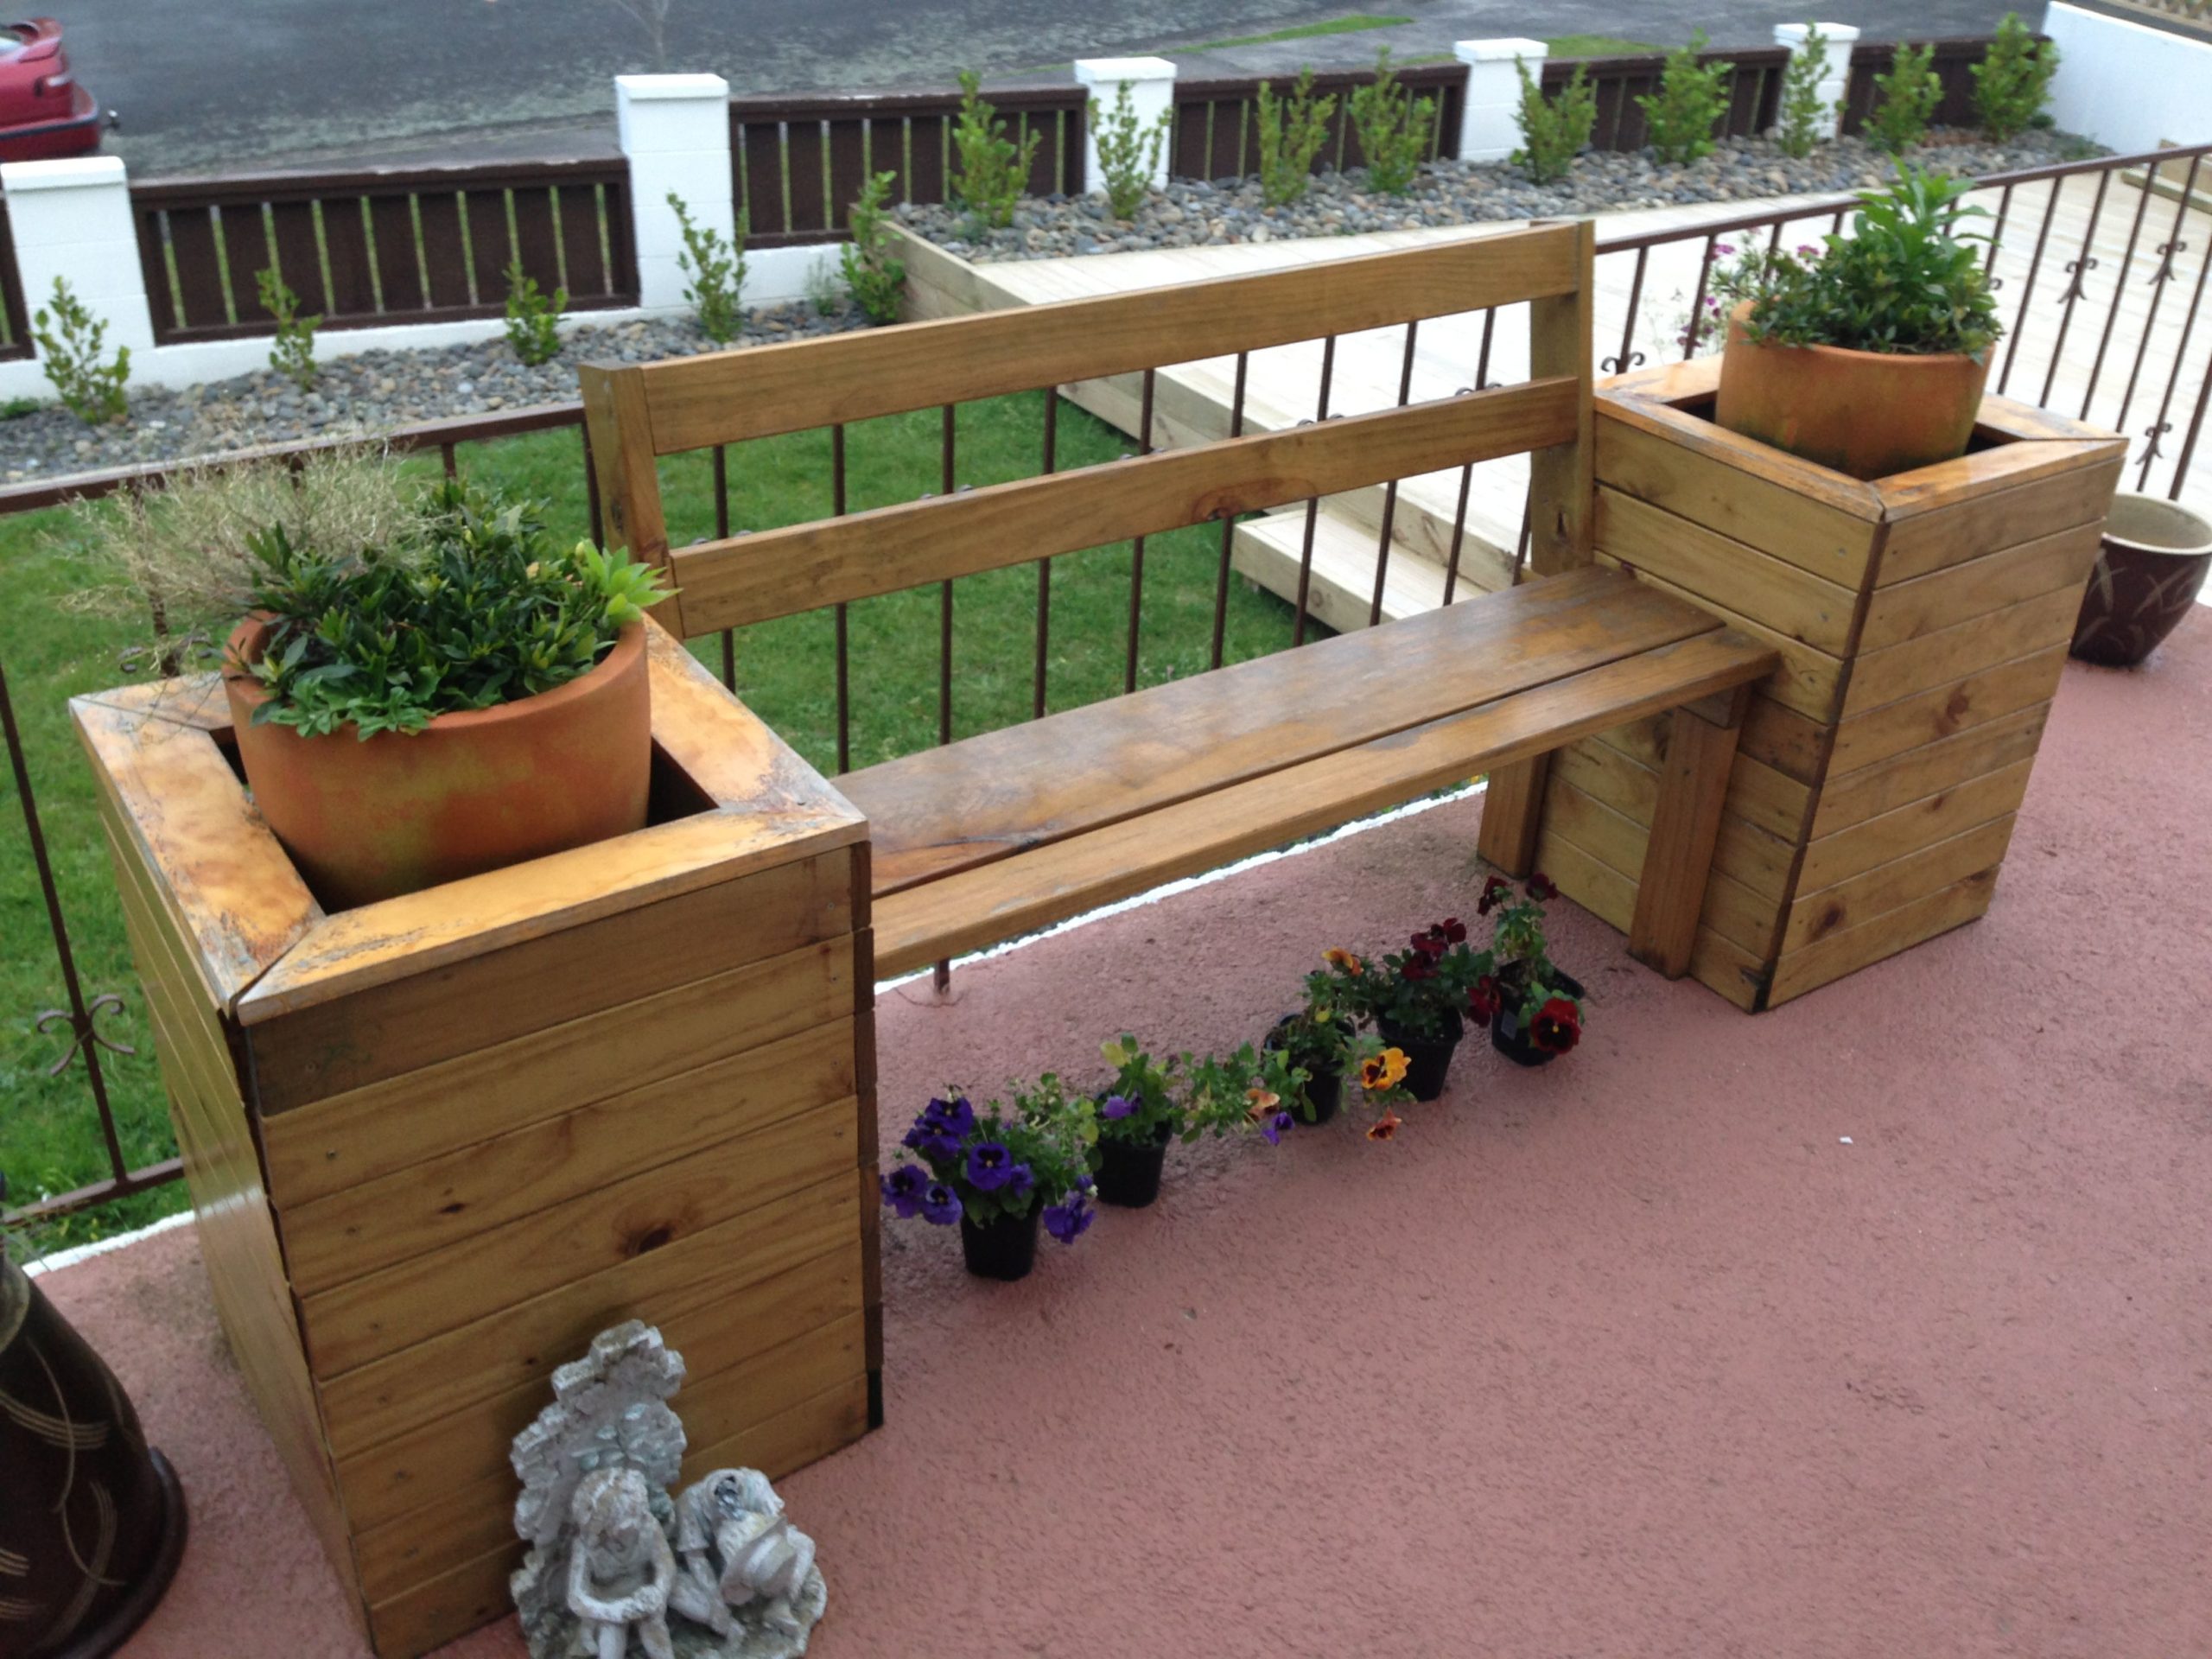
(998, 1172)
(1317, 1039)
(1230, 1094)
(1416, 999)
(1534, 1009)
(1138, 1116)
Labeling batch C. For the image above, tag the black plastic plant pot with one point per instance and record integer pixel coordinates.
(1003, 1247)
(1508, 1036)
(1128, 1170)
(1325, 1086)
(1428, 1058)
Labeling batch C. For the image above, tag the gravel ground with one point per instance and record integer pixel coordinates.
(1187, 215)
(371, 392)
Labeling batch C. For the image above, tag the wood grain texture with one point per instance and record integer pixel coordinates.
(1907, 610)
(1853, 796)
(1764, 797)
(1885, 935)
(1512, 814)
(727, 396)
(1986, 471)
(1561, 478)
(1946, 710)
(1933, 659)
(1806, 681)
(995, 900)
(1876, 892)
(950, 809)
(618, 431)
(1930, 542)
(345, 1140)
(781, 572)
(1809, 609)
(1678, 856)
(1892, 834)
(1601, 827)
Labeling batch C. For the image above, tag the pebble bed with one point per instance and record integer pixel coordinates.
(369, 393)
(1188, 214)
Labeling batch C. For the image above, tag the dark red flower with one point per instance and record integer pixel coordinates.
(1430, 944)
(1557, 1027)
(1454, 930)
(1418, 967)
(1494, 892)
(1541, 888)
(1483, 997)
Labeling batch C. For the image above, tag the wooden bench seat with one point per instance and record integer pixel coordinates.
(1011, 830)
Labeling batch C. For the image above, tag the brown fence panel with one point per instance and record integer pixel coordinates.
(1754, 92)
(801, 162)
(1953, 65)
(382, 246)
(1217, 122)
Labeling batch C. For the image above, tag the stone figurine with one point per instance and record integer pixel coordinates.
(617, 1569)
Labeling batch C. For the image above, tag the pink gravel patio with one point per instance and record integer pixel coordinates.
(1872, 1326)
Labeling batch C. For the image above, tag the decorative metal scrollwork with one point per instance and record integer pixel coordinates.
(2165, 273)
(1616, 366)
(2076, 270)
(2151, 451)
(83, 1032)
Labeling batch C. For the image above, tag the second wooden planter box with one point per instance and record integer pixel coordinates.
(1922, 622)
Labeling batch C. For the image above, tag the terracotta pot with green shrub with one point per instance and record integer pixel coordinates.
(1866, 353)
(427, 684)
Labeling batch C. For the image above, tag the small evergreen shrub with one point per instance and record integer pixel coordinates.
(533, 321)
(1906, 100)
(1394, 128)
(989, 170)
(1680, 116)
(2013, 83)
(292, 353)
(873, 275)
(1130, 152)
(716, 268)
(1805, 113)
(72, 349)
(1553, 131)
(1291, 131)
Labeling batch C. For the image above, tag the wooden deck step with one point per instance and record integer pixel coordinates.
(1341, 593)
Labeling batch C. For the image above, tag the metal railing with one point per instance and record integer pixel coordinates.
(2103, 264)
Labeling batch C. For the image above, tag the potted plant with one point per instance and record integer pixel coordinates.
(1000, 1173)
(1414, 1000)
(1316, 1040)
(2149, 570)
(1865, 353)
(1382, 1073)
(1138, 1116)
(1227, 1094)
(1534, 1009)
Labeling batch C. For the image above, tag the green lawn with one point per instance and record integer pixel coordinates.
(48, 1136)
(1358, 23)
(1598, 46)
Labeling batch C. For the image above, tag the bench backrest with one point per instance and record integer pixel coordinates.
(636, 414)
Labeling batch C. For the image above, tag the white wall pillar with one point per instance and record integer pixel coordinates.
(1151, 94)
(1489, 127)
(72, 219)
(1836, 81)
(675, 131)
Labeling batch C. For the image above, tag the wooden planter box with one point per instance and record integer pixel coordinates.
(1922, 622)
(436, 1144)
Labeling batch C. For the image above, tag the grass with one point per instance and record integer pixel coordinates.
(49, 1139)
(1358, 23)
(1597, 46)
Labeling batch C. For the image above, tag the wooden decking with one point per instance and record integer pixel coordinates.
(2096, 375)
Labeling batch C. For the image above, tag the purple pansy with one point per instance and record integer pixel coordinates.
(990, 1165)
(1067, 1222)
(956, 1114)
(903, 1189)
(1274, 1126)
(931, 1139)
(1116, 1106)
(940, 1205)
(1019, 1182)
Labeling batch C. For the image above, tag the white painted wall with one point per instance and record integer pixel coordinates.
(1835, 78)
(2127, 85)
(1489, 125)
(1151, 82)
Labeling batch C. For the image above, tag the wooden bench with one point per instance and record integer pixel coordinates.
(993, 836)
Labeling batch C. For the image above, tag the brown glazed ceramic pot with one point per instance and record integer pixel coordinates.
(92, 1520)
(2149, 571)
(470, 792)
(1869, 414)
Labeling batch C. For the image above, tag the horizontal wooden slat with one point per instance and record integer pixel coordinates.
(1746, 856)
(982, 905)
(1805, 680)
(1911, 721)
(1906, 610)
(350, 1138)
(1853, 796)
(1808, 608)
(1846, 952)
(1893, 835)
(1886, 886)
(441, 1201)
(1902, 670)
(1761, 796)
(1935, 541)
(1577, 805)
(1999, 465)
(456, 1370)
(727, 397)
(779, 572)
(712, 1324)
(998, 793)
(1794, 745)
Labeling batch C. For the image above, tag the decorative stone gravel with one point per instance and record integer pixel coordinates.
(369, 393)
(1187, 215)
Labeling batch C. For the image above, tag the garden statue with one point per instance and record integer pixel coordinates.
(602, 1579)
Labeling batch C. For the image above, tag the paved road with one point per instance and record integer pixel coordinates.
(276, 83)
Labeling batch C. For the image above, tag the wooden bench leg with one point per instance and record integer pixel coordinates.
(1685, 824)
(1513, 813)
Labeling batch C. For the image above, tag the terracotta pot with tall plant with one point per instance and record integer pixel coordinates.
(1868, 352)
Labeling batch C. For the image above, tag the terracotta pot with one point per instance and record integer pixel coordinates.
(92, 1519)
(470, 792)
(1868, 414)
(2149, 571)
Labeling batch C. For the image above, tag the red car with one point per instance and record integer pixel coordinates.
(43, 111)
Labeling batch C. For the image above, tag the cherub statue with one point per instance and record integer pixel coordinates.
(620, 1569)
(738, 1547)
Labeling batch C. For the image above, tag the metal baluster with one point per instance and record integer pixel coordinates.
(1521, 543)
(941, 974)
(837, 508)
(1313, 502)
(446, 456)
(1695, 331)
(2173, 377)
(1044, 565)
(2195, 428)
(591, 511)
(1997, 231)
(1458, 524)
(1629, 358)
(2076, 267)
(1390, 489)
(2027, 292)
(1228, 522)
(2119, 288)
(721, 532)
(1136, 546)
(2160, 280)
